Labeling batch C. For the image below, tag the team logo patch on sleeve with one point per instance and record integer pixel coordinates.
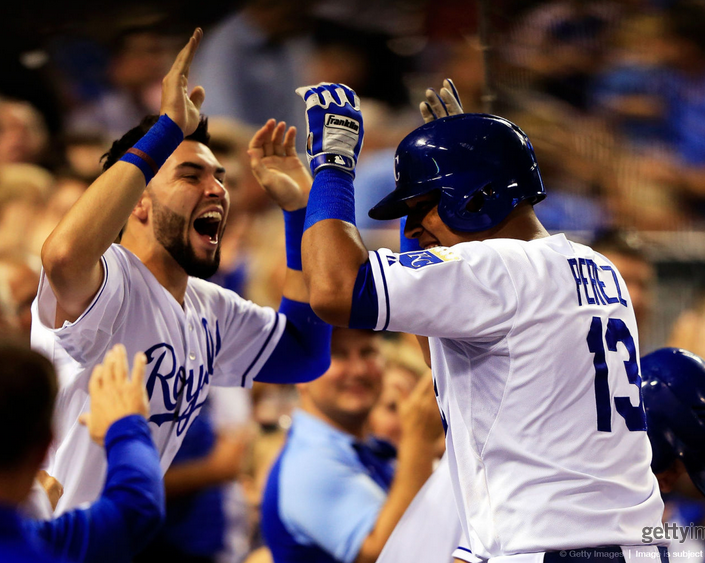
(420, 258)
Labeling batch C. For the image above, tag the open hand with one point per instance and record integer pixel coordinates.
(113, 395)
(276, 166)
(54, 489)
(184, 110)
(419, 414)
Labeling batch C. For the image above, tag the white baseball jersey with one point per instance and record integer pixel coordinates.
(217, 338)
(429, 531)
(535, 358)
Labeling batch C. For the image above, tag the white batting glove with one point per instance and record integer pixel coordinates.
(334, 123)
(441, 104)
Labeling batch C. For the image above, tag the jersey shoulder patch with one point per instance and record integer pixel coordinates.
(417, 259)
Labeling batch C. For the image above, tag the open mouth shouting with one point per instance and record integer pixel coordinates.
(208, 225)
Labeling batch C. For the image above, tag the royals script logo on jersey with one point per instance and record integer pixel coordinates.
(180, 387)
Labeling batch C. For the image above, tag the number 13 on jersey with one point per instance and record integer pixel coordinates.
(616, 332)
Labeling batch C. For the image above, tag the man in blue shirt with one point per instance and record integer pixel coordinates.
(334, 493)
(131, 506)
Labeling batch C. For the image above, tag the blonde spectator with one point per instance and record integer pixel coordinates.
(83, 154)
(688, 331)
(385, 422)
(24, 136)
(331, 465)
(404, 366)
(65, 192)
(18, 287)
(22, 180)
(24, 189)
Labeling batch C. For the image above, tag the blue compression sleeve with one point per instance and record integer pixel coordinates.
(293, 231)
(303, 351)
(365, 308)
(129, 511)
(332, 197)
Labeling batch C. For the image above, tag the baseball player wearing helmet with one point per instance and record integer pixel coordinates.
(145, 292)
(533, 340)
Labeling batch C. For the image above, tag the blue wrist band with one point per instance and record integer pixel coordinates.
(152, 150)
(293, 231)
(332, 197)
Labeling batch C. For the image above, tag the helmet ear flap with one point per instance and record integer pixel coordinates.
(479, 198)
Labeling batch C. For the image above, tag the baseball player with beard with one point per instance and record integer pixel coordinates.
(162, 192)
(532, 337)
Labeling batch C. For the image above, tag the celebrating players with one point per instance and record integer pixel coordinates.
(162, 196)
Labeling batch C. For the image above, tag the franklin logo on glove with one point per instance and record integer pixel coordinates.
(334, 140)
(333, 120)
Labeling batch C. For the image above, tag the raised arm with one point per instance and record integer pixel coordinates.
(335, 261)
(303, 351)
(332, 250)
(286, 180)
(71, 254)
(422, 434)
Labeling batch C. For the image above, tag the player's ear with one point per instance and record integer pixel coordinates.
(143, 207)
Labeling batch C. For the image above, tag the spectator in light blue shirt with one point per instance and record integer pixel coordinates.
(335, 493)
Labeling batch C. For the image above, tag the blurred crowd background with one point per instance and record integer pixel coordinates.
(611, 92)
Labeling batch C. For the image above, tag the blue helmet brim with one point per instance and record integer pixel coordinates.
(393, 206)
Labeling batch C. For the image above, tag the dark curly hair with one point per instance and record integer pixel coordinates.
(130, 139)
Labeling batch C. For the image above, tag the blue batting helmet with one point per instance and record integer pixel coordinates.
(483, 166)
(673, 387)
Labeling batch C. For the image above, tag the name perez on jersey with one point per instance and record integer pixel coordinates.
(589, 282)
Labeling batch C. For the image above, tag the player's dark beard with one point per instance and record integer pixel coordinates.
(171, 231)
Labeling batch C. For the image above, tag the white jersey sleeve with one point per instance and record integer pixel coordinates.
(87, 339)
(421, 292)
(245, 333)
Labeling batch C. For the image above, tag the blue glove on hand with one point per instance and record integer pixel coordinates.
(334, 123)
